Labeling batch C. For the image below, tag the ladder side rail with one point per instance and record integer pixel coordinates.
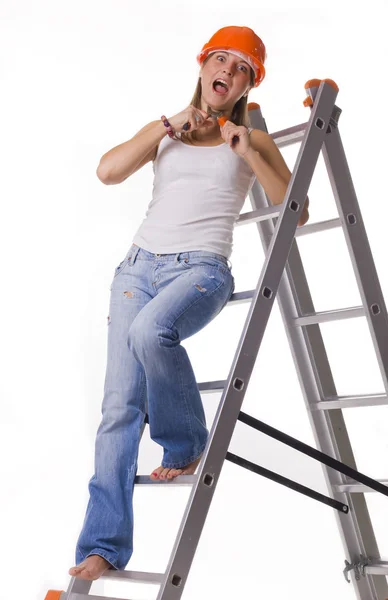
(305, 344)
(358, 247)
(233, 395)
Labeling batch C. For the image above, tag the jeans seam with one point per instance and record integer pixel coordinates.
(183, 463)
(101, 553)
(176, 354)
(104, 555)
(223, 269)
(188, 421)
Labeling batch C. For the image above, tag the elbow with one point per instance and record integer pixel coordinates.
(102, 174)
(107, 177)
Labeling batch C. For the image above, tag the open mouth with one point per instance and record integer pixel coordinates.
(219, 87)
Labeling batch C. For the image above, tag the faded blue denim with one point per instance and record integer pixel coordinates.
(156, 301)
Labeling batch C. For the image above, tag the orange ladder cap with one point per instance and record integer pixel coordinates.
(308, 101)
(54, 594)
(312, 83)
(253, 105)
(332, 83)
(316, 83)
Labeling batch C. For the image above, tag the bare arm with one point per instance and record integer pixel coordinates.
(264, 144)
(122, 161)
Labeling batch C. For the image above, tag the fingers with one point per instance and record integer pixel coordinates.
(201, 118)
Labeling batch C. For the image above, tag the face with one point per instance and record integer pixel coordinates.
(234, 70)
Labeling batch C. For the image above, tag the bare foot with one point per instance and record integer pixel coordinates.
(91, 568)
(304, 217)
(162, 473)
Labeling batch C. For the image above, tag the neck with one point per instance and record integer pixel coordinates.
(226, 110)
(209, 133)
(214, 131)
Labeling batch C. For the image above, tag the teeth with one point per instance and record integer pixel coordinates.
(223, 81)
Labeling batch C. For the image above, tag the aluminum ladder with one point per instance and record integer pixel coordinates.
(283, 276)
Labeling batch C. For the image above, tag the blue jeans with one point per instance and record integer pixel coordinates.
(155, 302)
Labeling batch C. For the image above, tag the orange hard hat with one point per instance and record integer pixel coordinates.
(241, 41)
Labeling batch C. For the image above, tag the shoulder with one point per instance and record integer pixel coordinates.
(263, 143)
(259, 139)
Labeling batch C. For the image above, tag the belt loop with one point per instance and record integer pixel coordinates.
(132, 254)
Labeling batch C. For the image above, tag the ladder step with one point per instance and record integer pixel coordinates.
(315, 227)
(134, 576)
(179, 480)
(262, 214)
(329, 403)
(290, 135)
(209, 387)
(356, 488)
(377, 567)
(332, 402)
(319, 317)
(330, 315)
(272, 211)
(241, 297)
(75, 596)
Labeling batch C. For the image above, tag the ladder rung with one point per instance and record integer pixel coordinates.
(377, 567)
(289, 136)
(241, 297)
(75, 596)
(209, 387)
(356, 488)
(315, 227)
(332, 402)
(179, 480)
(263, 214)
(272, 211)
(330, 315)
(134, 576)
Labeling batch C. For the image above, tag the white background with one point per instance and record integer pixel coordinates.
(77, 79)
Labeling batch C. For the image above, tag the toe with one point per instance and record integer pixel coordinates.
(156, 473)
(174, 473)
(163, 474)
(76, 569)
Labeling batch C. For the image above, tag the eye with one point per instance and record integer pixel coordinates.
(243, 66)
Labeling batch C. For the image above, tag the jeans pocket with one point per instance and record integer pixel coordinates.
(184, 263)
(206, 261)
(121, 266)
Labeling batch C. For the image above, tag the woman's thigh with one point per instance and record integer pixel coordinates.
(191, 292)
(123, 370)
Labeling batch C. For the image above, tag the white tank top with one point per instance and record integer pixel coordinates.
(198, 193)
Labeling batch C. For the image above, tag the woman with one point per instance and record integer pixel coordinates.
(174, 280)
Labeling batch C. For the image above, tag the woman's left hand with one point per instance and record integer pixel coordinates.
(229, 130)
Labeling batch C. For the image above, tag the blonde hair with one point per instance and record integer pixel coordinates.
(239, 114)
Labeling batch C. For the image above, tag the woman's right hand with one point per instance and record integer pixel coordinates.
(196, 118)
